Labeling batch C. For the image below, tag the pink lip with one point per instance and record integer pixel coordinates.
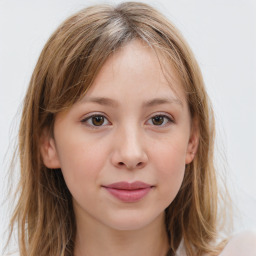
(129, 192)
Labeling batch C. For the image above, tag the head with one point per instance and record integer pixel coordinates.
(68, 70)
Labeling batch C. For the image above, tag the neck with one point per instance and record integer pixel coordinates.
(100, 240)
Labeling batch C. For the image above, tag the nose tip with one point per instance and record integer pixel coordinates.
(130, 153)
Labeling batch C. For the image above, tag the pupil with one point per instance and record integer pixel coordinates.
(98, 120)
(158, 120)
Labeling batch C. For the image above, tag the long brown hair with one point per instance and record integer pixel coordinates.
(65, 70)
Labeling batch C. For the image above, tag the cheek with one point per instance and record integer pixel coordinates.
(81, 163)
(170, 166)
(170, 153)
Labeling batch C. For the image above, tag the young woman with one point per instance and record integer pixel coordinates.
(116, 143)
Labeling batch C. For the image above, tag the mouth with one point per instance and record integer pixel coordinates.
(129, 192)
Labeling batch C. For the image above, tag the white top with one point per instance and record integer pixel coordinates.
(242, 244)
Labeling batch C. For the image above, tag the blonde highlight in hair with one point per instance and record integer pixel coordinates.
(67, 67)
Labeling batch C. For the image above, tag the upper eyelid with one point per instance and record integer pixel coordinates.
(85, 121)
(161, 114)
(92, 114)
(170, 120)
(164, 116)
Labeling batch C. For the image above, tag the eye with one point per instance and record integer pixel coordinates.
(160, 120)
(96, 121)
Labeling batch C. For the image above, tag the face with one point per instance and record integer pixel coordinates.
(123, 148)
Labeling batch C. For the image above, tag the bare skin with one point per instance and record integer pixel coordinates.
(151, 240)
(132, 126)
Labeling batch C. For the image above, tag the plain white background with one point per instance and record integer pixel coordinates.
(222, 34)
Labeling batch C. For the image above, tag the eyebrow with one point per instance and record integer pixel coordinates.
(149, 103)
(162, 101)
(101, 101)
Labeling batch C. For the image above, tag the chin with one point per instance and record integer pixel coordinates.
(131, 221)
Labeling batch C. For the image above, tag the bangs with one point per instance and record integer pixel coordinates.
(79, 48)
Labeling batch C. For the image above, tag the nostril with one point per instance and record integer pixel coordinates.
(138, 165)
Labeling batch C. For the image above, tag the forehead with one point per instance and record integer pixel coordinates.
(136, 68)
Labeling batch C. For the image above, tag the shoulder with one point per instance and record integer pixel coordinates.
(243, 243)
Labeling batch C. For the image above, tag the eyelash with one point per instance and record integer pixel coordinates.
(166, 120)
(89, 120)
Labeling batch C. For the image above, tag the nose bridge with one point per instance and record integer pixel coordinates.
(132, 144)
(130, 149)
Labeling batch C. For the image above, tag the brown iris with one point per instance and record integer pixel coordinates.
(97, 120)
(158, 120)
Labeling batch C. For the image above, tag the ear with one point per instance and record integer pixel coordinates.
(48, 151)
(193, 143)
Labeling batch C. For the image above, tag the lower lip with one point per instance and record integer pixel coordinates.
(129, 195)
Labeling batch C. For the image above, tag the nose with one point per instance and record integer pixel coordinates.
(129, 150)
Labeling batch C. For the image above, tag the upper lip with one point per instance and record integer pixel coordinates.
(129, 185)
